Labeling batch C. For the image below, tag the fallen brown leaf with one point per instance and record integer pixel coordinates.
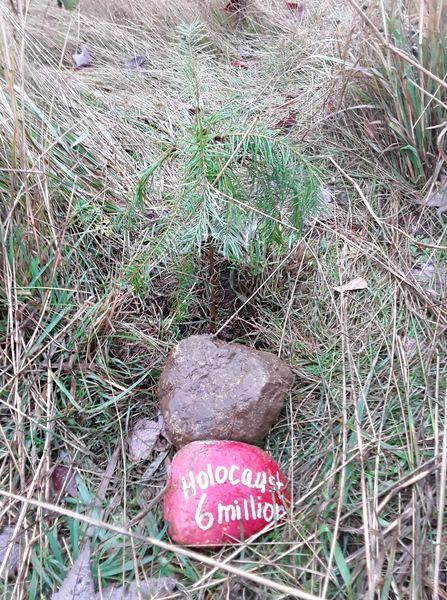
(162, 424)
(297, 9)
(371, 129)
(437, 199)
(423, 273)
(326, 195)
(63, 481)
(244, 52)
(7, 541)
(143, 438)
(358, 283)
(288, 122)
(410, 345)
(242, 64)
(236, 6)
(78, 584)
(135, 63)
(326, 207)
(433, 274)
(82, 58)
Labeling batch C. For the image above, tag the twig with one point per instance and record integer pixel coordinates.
(212, 283)
(441, 505)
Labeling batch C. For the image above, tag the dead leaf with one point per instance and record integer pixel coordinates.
(161, 445)
(297, 9)
(410, 345)
(371, 129)
(433, 274)
(7, 541)
(63, 481)
(242, 64)
(150, 589)
(143, 438)
(358, 283)
(423, 273)
(236, 6)
(82, 58)
(326, 207)
(437, 199)
(153, 467)
(162, 424)
(288, 122)
(326, 195)
(78, 584)
(244, 52)
(135, 63)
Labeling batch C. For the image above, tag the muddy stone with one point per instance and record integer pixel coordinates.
(212, 390)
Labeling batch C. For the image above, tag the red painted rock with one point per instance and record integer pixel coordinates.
(220, 492)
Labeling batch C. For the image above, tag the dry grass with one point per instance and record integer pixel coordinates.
(86, 324)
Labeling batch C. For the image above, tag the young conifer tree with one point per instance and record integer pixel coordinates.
(244, 190)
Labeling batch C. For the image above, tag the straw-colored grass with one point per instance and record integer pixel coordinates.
(86, 321)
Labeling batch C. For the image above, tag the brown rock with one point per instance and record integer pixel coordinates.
(212, 390)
